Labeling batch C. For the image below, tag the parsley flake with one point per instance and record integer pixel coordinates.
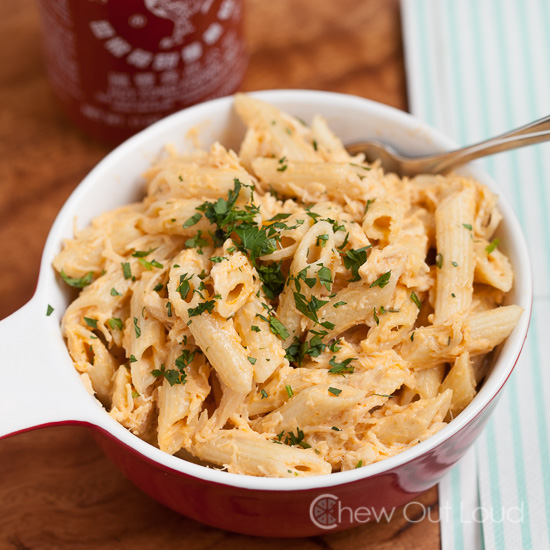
(192, 220)
(201, 308)
(136, 327)
(383, 280)
(354, 259)
(492, 245)
(272, 278)
(126, 270)
(143, 253)
(416, 300)
(115, 323)
(184, 286)
(77, 283)
(91, 322)
(341, 368)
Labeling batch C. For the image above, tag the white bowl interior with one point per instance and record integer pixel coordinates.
(117, 180)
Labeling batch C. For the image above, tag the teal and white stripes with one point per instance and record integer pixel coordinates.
(476, 68)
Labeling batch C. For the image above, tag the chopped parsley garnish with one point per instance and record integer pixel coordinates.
(115, 323)
(334, 391)
(338, 304)
(354, 259)
(336, 429)
(359, 464)
(334, 347)
(143, 253)
(416, 300)
(492, 245)
(325, 277)
(341, 368)
(376, 319)
(272, 278)
(184, 287)
(467, 226)
(192, 220)
(289, 390)
(321, 240)
(292, 439)
(115, 292)
(313, 215)
(136, 327)
(91, 322)
(275, 326)
(49, 311)
(382, 395)
(126, 270)
(359, 166)
(158, 287)
(309, 309)
(77, 283)
(412, 337)
(302, 276)
(256, 240)
(382, 281)
(185, 359)
(177, 375)
(252, 360)
(314, 143)
(312, 347)
(439, 260)
(263, 393)
(169, 309)
(218, 259)
(255, 328)
(172, 375)
(198, 241)
(201, 308)
(454, 264)
(149, 265)
(343, 245)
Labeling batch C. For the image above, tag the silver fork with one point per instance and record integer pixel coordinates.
(392, 161)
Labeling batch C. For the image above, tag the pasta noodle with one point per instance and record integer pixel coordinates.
(289, 310)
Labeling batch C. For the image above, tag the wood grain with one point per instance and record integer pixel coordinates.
(57, 490)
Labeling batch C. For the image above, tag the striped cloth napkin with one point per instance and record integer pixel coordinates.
(476, 68)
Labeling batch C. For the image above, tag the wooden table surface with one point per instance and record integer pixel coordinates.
(57, 490)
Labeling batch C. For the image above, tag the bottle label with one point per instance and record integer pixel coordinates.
(126, 64)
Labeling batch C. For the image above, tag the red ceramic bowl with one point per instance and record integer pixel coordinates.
(51, 393)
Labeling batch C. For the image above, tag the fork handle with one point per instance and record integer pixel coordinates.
(534, 132)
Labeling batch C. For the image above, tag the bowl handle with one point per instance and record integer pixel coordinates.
(38, 387)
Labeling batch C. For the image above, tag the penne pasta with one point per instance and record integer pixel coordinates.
(291, 310)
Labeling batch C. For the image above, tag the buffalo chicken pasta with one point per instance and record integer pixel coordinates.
(290, 310)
